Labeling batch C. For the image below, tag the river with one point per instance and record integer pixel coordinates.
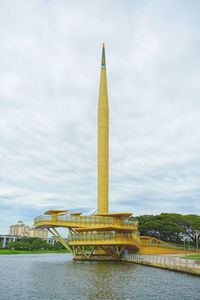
(58, 277)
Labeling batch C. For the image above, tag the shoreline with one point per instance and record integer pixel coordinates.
(9, 251)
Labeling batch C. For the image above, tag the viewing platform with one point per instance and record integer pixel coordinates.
(109, 230)
(131, 240)
(86, 223)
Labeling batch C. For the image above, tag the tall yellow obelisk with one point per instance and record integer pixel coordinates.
(103, 140)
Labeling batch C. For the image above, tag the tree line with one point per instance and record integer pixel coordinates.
(34, 243)
(170, 227)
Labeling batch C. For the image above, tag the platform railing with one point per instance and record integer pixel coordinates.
(85, 220)
(75, 219)
(168, 246)
(42, 219)
(160, 259)
(129, 221)
(103, 236)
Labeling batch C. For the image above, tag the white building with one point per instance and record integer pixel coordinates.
(20, 229)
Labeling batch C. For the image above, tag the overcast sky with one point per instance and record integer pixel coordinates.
(50, 54)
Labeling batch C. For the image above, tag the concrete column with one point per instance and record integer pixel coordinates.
(4, 241)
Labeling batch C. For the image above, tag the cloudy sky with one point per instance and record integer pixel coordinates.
(50, 55)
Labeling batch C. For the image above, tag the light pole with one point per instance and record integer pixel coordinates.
(197, 233)
(184, 245)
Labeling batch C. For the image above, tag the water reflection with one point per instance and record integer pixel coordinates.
(57, 276)
(104, 280)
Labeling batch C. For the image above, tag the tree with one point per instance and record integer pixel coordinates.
(169, 227)
(32, 243)
(57, 245)
(27, 246)
(16, 245)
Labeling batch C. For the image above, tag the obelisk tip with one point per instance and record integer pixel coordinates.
(103, 60)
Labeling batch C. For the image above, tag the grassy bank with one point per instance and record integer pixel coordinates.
(9, 251)
(193, 256)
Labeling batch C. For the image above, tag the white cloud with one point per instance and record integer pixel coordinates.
(49, 80)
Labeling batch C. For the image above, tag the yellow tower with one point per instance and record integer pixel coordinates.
(103, 140)
(108, 235)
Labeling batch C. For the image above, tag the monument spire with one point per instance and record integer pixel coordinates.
(103, 139)
(107, 235)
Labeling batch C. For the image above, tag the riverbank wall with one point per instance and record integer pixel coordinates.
(172, 263)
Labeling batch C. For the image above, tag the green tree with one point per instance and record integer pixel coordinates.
(26, 246)
(57, 245)
(16, 245)
(29, 243)
(169, 227)
(32, 243)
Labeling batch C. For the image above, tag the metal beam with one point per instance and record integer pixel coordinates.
(92, 251)
(60, 239)
(86, 256)
(108, 251)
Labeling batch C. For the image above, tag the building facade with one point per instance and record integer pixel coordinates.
(20, 230)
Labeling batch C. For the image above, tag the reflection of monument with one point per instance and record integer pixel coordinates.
(107, 234)
(21, 230)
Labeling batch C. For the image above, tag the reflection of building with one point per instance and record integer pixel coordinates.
(21, 229)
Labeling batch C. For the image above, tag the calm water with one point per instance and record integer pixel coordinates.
(58, 277)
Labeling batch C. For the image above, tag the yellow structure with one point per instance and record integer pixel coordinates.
(103, 140)
(106, 235)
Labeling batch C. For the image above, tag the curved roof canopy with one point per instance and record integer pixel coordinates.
(55, 211)
(116, 215)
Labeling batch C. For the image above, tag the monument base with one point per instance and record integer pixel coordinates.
(96, 257)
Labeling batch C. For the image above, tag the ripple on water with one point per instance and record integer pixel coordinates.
(58, 277)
